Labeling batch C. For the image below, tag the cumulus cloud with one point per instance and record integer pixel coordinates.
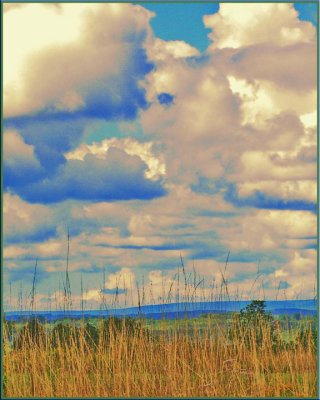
(237, 26)
(20, 164)
(162, 50)
(117, 177)
(80, 68)
(17, 150)
(291, 67)
(156, 166)
(122, 279)
(266, 230)
(24, 222)
(297, 189)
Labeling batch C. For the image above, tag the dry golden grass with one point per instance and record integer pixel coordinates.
(172, 364)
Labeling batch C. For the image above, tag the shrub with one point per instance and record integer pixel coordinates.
(114, 326)
(91, 335)
(32, 334)
(306, 336)
(255, 312)
(252, 324)
(64, 334)
(9, 329)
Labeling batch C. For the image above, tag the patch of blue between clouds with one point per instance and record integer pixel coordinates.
(273, 259)
(34, 256)
(27, 274)
(242, 276)
(20, 174)
(167, 264)
(182, 21)
(262, 200)
(165, 99)
(213, 214)
(307, 11)
(280, 286)
(107, 129)
(115, 291)
(310, 246)
(167, 246)
(205, 185)
(219, 253)
(37, 235)
(198, 61)
(92, 269)
(306, 237)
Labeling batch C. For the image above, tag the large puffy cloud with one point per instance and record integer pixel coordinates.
(267, 230)
(80, 68)
(297, 189)
(237, 25)
(117, 177)
(156, 166)
(24, 222)
(56, 82)
(250, 128)
(17, 150)
(291, 67)
(49, 140)
(20, 166)
(262, 100)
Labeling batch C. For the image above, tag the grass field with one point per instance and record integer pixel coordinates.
(212, 356)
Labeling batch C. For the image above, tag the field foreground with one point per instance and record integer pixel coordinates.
(204, 357)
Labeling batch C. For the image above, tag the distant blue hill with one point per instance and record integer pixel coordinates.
(177, 310)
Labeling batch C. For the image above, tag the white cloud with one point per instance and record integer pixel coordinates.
(262, 100)
(238, 25)
(261, 165)
(46, 66)
(22, 218)
(125, 278)
(17, 151)
(300, 273)
(50, 248)
(14, 251)
(156, 165)
(288, 190)
(309, 120)
(265, 230)
(163, 50)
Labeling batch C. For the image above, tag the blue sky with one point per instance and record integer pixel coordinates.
(153, 132)
(184, 21)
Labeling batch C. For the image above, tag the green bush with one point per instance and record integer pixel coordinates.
(91, 335)
(64, 334)
(9, 329)
(255, 312)
(251, 324)
(305, 337)
(32, 334)
(113, 326)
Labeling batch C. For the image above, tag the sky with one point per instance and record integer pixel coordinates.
(166, 139)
